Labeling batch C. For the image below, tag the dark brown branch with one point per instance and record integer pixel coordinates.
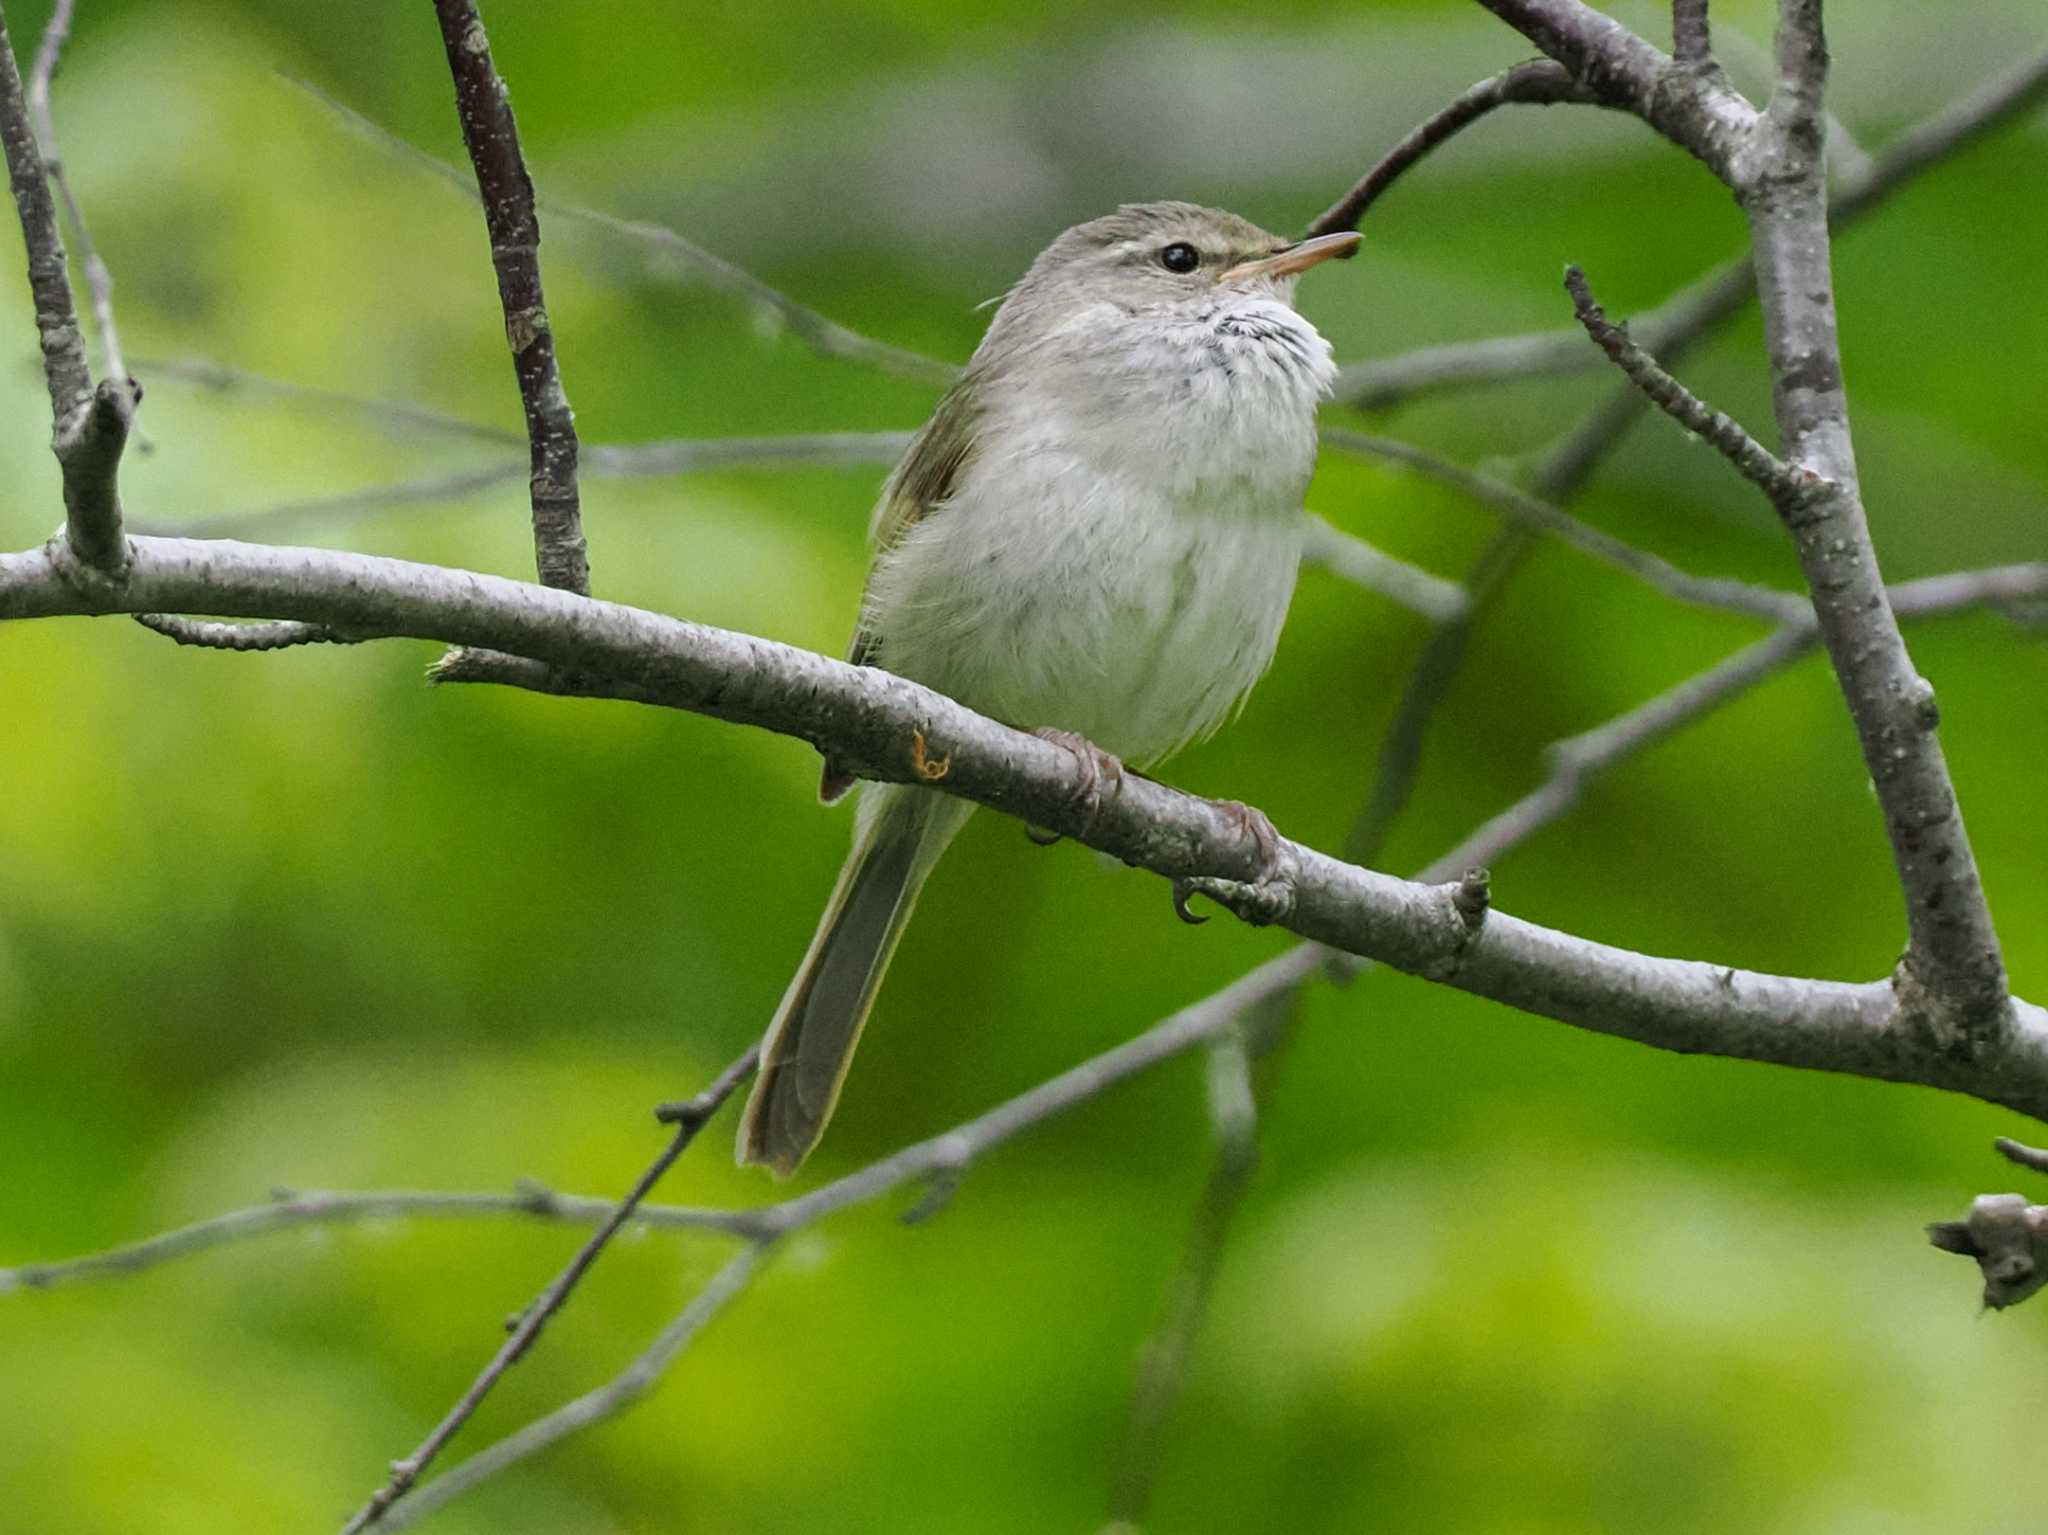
(1789, 489)
(688, 1119)
(1538, 82)
(1691, 41)
(492, 138)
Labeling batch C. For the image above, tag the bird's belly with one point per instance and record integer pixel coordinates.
(1140, 628)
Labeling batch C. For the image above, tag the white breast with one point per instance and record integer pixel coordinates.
(1118, 557)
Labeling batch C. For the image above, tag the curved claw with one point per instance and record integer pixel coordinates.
(1040, 837)
(1181, 891)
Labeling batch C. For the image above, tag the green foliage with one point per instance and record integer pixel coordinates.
(298, 920)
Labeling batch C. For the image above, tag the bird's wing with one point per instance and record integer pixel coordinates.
(920, 485)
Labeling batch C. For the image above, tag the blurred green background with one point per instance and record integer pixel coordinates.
(299, 920)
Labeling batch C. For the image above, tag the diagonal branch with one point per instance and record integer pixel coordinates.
(492, 138)
(688, 1119)
(1538, 82)
(1693, 108)
(1789, 489)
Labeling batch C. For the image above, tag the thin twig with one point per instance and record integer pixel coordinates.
(827, 338)
(1239, 1062)
(1384, 382)
(491, 135)
(1536, 513)
(1576, 760)
(291, 1209)
(2022, 1155)
(688, 1120)
(1398, 766)
(637, 460)
(219, 378)
(99, 281)
(1790, 489)
(1537, 82)
(615, 1396)
(1346, 555)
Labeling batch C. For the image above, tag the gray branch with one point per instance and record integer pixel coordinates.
(99, 281)
(1865, 185)
(1953, 951)
(1790, 490)
(894, 730)
(1953, 973)
(1533, 512)
(1537, 82)
(90, 426)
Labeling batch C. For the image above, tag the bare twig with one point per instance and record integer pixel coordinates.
(281, 634)
(1538, 82)
(827, 338)
(492, 138)
(1864, 186)
(1238, 1062)
(1536, 513)
(1343, 554)
(1398, 765)
(593, 1406)
(1788, 488)
(688, 1119)
(99, 281)
(290, 1209)
(219, 378)
(641, 460)
(1576, 760)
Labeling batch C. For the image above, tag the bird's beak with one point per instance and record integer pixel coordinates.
(1297, 258)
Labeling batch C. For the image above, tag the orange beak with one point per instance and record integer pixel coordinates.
(1297, 258)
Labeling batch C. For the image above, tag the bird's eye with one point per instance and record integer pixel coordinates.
(1180, 257)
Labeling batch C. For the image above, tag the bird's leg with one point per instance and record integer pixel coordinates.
(1266, 899)
(1095, 771)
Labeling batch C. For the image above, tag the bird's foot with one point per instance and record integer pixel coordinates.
(1096, 772)
(1263, 901)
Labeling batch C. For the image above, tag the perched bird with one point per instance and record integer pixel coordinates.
(1096, 535)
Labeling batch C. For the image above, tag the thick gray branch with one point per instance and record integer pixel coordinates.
(893, 729)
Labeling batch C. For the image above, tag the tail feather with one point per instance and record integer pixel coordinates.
(899, 837)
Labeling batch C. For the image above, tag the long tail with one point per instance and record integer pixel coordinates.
(899, 836)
